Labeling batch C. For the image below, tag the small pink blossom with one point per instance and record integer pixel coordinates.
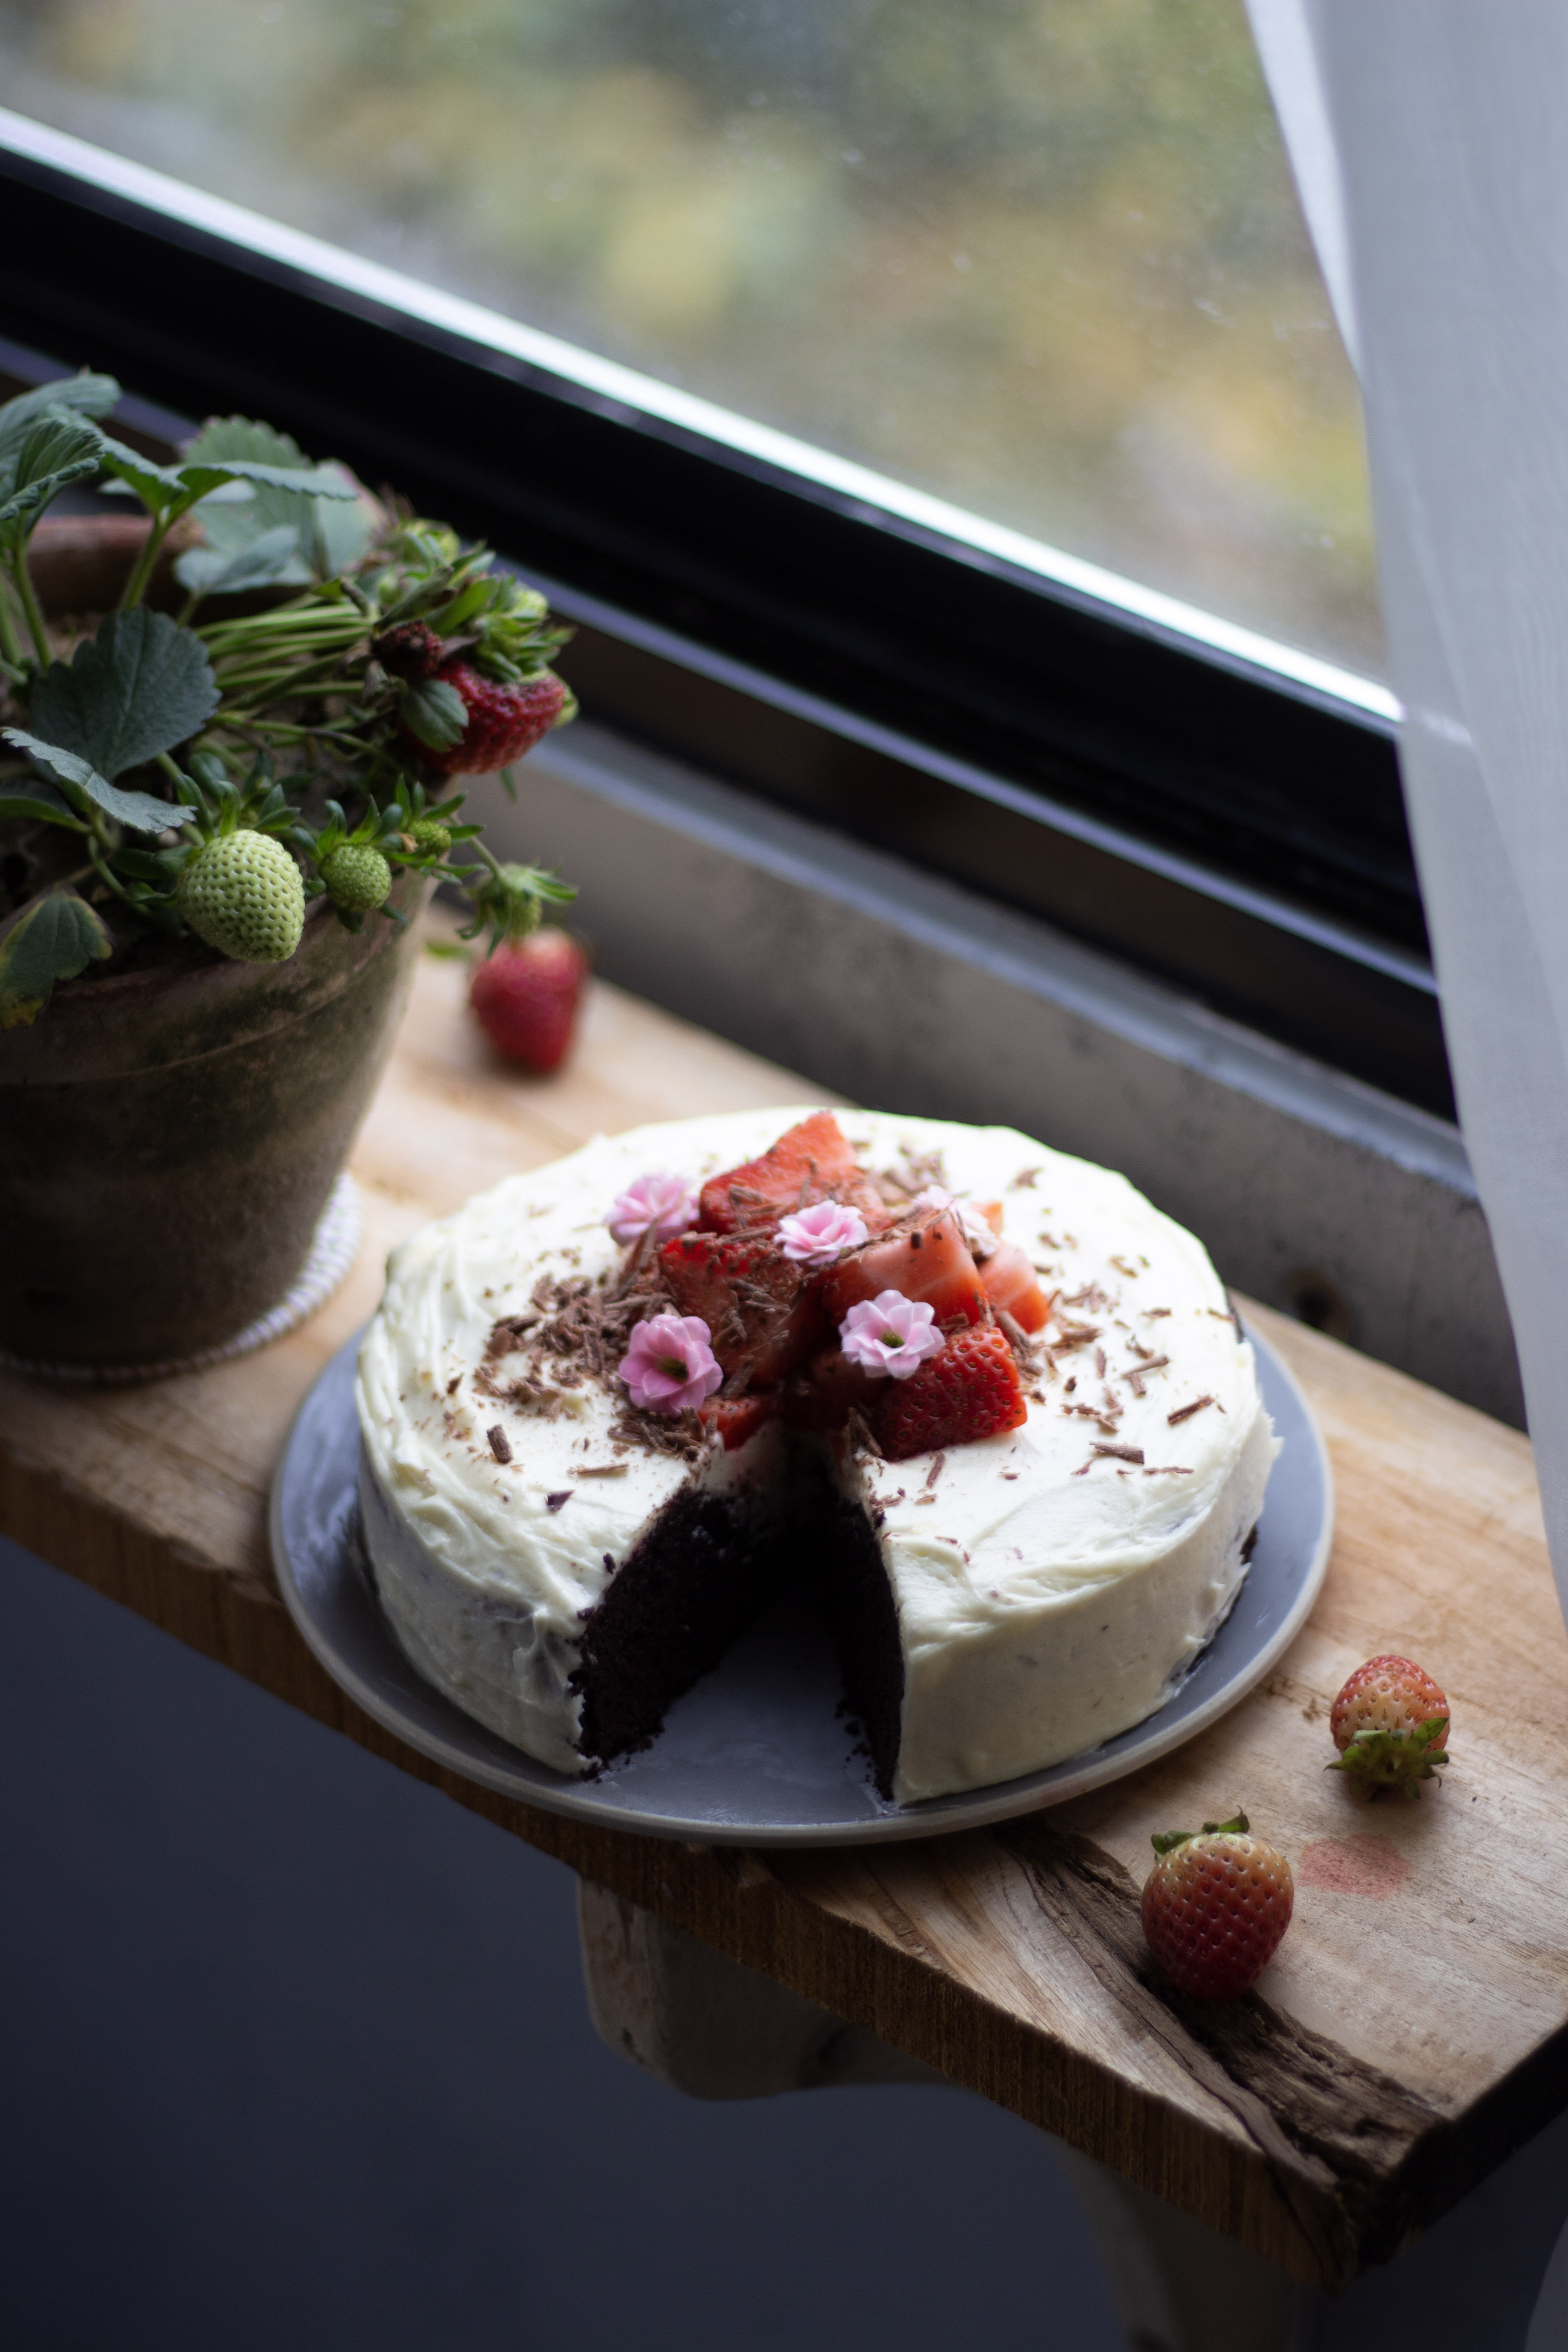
(669, 1363)
(890, 1334)
(820, 1236)
(658, 1205)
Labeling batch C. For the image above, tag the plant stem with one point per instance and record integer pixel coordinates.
(29, 604)
(10, 643)
(135, 586)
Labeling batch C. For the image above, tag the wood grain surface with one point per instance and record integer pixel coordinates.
(1413, 2029)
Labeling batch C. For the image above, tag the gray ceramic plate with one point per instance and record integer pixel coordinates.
(756, 1755)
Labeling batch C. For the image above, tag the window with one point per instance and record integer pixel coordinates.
(957, 382)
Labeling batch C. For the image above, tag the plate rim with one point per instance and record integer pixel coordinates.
(970, 1808)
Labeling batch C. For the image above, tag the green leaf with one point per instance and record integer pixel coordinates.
(138, 687)
(156, 485)
(36, 801)
(55, 451)
(143, 811)
(436, 712)
(333, 530)
(83, 395)
(54, 939)
(255, 563)
(342, 532)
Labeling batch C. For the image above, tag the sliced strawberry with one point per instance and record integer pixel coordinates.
(736, 1419)
(824, 1394)
(811, 1163)
(972, 1389)
(923, 1257)
(1010, 1283)
(993, 1213)
(761, 1312)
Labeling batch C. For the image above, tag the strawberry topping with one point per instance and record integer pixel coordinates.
(760, 1309)
(971, 1391)
(1010, 1284)
(811, 1163)
(924, 1256)
(735, 1419)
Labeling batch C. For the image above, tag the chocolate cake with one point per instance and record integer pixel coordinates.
(983, 1399)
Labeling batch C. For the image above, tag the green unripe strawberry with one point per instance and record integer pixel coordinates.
(357, 879)
(429, 837)
(242, 894)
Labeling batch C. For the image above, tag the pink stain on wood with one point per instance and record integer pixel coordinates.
(1353, 1865)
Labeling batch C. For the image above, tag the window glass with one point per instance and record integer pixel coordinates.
(1041, 258)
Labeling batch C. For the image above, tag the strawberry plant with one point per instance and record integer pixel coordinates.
(188, 781)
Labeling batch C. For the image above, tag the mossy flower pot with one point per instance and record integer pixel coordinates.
(169, 1137)
(170, 1133)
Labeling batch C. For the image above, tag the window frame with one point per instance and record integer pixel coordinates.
(1235, 829)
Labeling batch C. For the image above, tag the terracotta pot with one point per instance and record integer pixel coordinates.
(169, 1137)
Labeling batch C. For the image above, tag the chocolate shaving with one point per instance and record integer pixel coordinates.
(1119, 1452)
(1168, 1470)
(603, 1470)
(1090, 1296)
(1186, 1412)
(558, 1502)
(1018, 1340)
(1100, 1362)
(659, 1433)
(1152, 1314)
(499, 1445)
(1074, 1335)
(938, 1463)
(857, 1429)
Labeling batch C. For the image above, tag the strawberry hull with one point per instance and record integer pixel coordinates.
(926, 1260)
(763, 1313)
(809, 1164)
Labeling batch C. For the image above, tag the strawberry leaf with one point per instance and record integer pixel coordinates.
(81, 396)
(56, 450)
(138, 687)
(436, 712)
(143, 811)
(39, 801)
(224, 566)
(54, 939)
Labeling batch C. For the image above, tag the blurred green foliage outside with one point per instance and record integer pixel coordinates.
(1040, 257)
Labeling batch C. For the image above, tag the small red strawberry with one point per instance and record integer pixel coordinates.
(1215, 1907)
(526, 995)
(1390, 1725)
(504, 721)
(971, 1389)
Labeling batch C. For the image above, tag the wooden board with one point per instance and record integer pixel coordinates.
(1413, 2028)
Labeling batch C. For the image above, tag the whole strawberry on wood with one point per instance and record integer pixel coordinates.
(526, 997)
(1215, 1906)
(1390, 1724)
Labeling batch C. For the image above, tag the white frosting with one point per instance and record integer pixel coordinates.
(1041, 1611)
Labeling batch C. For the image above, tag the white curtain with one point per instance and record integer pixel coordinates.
(1429, 140)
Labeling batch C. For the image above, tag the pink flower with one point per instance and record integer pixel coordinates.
(669, 1363)
(890, 1334)
(658, 1205)
(820, 1236)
